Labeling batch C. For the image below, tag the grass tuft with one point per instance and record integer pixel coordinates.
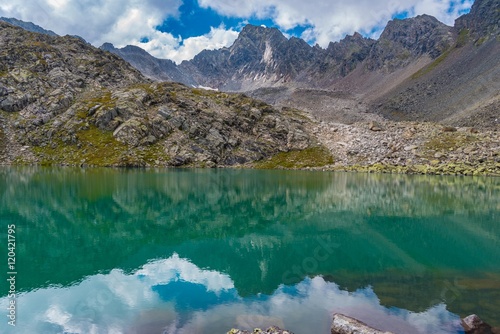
(317, 156)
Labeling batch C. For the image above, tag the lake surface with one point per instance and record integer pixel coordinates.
(202, 251)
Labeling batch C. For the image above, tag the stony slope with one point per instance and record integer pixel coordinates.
(461, 87)
(65, 102)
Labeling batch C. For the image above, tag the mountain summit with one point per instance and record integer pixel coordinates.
(264, 57)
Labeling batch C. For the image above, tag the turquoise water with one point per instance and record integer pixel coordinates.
(202, 251)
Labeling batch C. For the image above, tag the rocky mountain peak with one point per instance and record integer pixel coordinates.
(349, 45)
(258, 33)
(404, 40)
(357, 35)
(421, 34)
(256, 43)
(107, 47)
(483, 18)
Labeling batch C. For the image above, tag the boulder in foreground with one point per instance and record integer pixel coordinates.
(270, 330)
(474, 325)
(346, 325)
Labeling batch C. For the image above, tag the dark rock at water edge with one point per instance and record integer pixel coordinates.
(474, 325)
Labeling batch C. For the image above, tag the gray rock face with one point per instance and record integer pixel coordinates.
(402, 41)
(347, 54)
(259, 55)
(482, 20)
(346, 325)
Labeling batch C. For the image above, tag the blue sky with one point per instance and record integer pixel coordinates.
(196, 21)
(179, 29)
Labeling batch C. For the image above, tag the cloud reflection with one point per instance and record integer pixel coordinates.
(173, 295)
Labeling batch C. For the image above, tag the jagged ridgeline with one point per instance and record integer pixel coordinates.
(65, 102)
(419, 69)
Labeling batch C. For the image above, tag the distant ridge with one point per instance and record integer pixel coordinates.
(151, 67)
(28, 26)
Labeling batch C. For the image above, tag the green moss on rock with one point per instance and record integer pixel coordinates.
(432, 65)
(317, 156)
(448, 141)
(95, 147)
(463, 38)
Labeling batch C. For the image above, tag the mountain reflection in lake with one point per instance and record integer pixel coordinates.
(196, 251)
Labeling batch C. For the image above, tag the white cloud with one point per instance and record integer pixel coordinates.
(331, 21)
(120, 22)
(175, 268)
(164, 45)
(118, 302)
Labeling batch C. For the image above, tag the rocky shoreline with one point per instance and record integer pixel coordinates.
(370, 147)
(410, 148)
(342, 324)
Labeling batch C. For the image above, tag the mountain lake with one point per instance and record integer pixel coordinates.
(103, 250)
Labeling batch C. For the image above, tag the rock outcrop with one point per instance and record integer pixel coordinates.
(403, 41)
(474, 325)
(343, 324)
(65, 102)
(270, 330)
(482, 20)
